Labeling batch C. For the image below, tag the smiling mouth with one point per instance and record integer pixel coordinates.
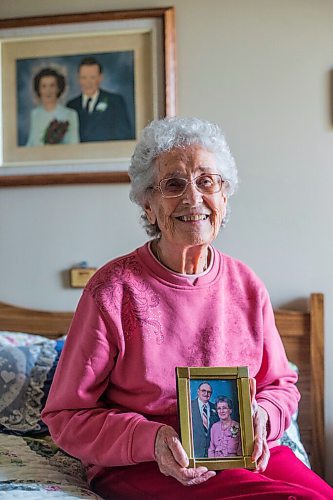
(192, 218)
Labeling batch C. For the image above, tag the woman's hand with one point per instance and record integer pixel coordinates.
(261, 451)
(173, 461)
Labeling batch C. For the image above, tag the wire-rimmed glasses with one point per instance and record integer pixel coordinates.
(172, 187)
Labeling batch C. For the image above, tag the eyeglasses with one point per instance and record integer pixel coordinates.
(205, 183)
(205, 392)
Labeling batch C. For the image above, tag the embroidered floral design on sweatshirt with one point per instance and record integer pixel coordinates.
(207, 351)
(212, 349)
(123, 289)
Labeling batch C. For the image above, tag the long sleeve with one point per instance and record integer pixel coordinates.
(276, 390)
(78, 418)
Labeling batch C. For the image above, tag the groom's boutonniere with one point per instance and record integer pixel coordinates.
(101, 106)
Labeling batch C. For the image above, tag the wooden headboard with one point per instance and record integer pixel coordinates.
(48, 324)
(303, 337)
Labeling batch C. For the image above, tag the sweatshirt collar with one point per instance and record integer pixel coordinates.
(164, 274)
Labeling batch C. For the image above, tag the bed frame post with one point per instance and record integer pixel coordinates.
(317, 381)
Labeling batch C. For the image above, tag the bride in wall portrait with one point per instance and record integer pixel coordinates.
(51, 122)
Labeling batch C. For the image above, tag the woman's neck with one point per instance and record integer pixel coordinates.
(226, 423)
(49, 106)
(189, 260)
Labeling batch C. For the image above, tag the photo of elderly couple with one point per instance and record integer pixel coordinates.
(75, 99)
(215, 419)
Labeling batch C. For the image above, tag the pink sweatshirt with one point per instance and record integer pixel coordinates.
(136, 321)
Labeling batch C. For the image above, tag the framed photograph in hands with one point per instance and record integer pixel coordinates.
(214, 406)
(76, 91)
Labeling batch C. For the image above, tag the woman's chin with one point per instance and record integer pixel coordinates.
(193, 238)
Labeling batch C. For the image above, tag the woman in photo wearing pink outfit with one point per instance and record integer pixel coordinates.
(175, 301)
(225, 435)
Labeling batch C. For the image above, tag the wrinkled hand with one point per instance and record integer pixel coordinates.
(261, 451)
(173, 461)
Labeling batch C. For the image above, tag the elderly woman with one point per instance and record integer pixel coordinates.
(176, 301)
(225, 435)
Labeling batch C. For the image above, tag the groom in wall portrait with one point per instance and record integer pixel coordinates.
(103, 115)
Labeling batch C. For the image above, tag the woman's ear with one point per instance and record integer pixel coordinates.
(225, 199)
(225, 203)
(150, 213)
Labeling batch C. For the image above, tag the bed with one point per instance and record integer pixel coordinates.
(30, 463)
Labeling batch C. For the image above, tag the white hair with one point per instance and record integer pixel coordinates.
(161, 136)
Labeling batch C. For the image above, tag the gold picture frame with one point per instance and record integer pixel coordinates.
(147, 33)
(230, 386)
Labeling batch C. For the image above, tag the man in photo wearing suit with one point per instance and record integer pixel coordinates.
(204, 415)
(102, 115)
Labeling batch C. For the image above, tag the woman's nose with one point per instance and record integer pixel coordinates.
(192, 194)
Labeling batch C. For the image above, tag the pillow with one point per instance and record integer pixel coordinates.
(291, 436)
(27, 365)
(19, 338)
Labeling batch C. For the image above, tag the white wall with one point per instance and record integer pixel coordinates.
(261, 69)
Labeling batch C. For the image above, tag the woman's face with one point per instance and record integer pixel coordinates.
(193, 218)
(48, 90)
(223, 410)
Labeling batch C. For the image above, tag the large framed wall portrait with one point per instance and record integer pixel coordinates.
(215, 416)
(76, 91)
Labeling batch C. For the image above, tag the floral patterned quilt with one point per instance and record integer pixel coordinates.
(33, 469)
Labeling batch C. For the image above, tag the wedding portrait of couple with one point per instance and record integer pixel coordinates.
(215, 419)
(75, 99)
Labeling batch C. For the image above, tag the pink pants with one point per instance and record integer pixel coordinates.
(286, 477)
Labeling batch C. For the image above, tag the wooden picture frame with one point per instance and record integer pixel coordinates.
(26, 43)
(229, 388)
